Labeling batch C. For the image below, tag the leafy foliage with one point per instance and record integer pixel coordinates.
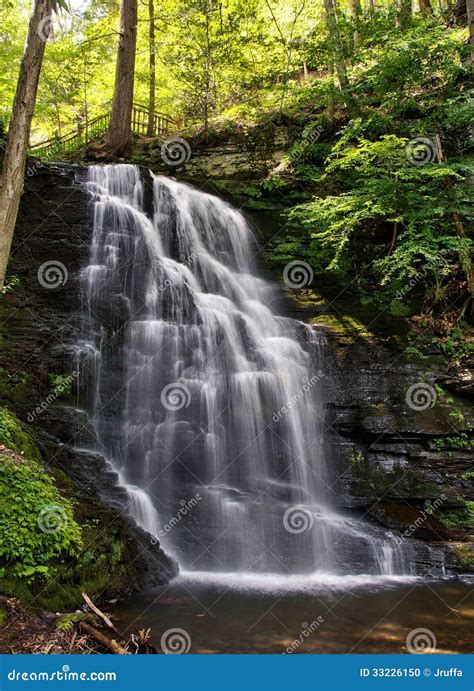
(26, 548)
(389, 205)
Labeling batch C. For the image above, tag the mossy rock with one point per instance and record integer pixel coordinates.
(14, 436)
(55, 541)
(464, 554)
(460, 519)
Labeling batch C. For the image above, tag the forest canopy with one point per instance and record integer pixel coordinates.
(376, 97)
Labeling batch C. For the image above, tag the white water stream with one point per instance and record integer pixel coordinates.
(205, 402)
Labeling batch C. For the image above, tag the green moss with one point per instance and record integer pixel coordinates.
(3, 617)
(101, 568)
(465, 555)
(459, 519)
(14, 436)
(14, 387)
(342, 324)
(66, 622)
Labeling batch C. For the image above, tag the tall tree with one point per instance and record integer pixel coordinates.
(120, 128)
(335, 45)
(152, 67)
(356, 12)
(287, 42)
(425, 7)
(13, 171)
(470, 21)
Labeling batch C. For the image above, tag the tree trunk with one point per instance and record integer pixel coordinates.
(120, 128)
(470, 21)
(13, 172)
(460, 12)
(207, 66)
(425, 7)
(335, 43)
(152, 68)
(356, 11)
(404, 11)
(331, 104)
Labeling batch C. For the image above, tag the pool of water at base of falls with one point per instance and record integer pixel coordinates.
(230, 614)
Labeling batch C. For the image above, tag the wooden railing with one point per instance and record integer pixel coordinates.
(97, 127)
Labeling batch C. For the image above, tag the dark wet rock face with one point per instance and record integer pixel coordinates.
(402, 458)
(41, 328)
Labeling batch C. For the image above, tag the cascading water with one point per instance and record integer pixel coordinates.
(206, 403)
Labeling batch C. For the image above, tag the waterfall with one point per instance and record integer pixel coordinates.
(205, 402)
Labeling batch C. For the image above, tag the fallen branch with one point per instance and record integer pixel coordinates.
(97, 611)
(109, 643)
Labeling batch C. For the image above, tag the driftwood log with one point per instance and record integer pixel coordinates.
(103, 640)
